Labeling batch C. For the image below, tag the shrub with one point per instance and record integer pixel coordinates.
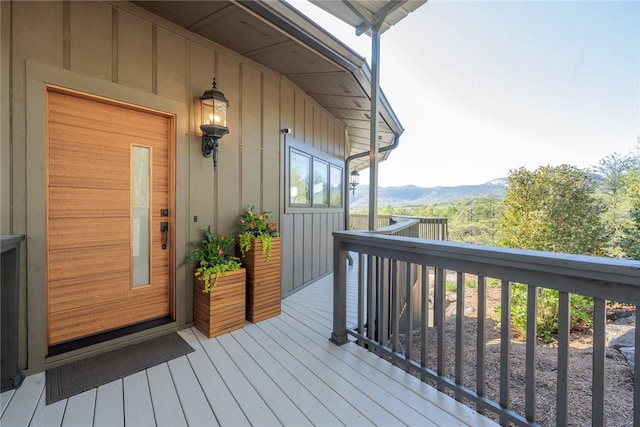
(581, 313)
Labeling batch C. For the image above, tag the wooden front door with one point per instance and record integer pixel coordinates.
(108, 186)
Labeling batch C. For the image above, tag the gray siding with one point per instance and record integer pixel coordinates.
(108, 44)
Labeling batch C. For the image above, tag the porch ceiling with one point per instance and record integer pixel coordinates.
(278, 36)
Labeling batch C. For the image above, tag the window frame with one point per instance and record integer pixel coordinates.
(315, 156)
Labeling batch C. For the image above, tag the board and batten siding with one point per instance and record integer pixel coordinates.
(118, 51)
(307, 241)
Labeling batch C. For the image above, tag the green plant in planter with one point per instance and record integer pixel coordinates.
(210, 253)
(252, 225)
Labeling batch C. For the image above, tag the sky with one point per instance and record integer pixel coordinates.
(485, 87)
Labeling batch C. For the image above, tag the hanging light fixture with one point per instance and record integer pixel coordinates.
(354, 181)
(213, 121)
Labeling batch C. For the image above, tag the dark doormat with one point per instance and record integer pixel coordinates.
(83, 375)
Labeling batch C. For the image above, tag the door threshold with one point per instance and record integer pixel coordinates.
(65, 347)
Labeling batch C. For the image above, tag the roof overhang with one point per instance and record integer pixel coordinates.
(280, 37)
(362, 14)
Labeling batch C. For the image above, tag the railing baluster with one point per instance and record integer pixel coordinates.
(424, 332)
(636, 374)
(530, 368)
(459, 374)
(480, 340)
(599, 351)
(395, 304)
(361, 296)
(384, 283)
(439, 297)
(409, 314)
(505, 347)
(564, 313)
(371, 298)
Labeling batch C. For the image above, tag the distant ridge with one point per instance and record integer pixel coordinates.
(411, 195)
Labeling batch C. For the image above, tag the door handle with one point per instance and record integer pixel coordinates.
(164, 228)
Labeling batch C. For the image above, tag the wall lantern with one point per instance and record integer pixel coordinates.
(213, 122)
(354, 181)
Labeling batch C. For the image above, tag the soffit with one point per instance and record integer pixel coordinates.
(360, 14)
(278, 36)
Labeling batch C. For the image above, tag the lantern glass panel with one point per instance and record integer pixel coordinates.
(207, 112)
(219, 113)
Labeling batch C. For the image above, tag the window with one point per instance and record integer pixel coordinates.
(299, 179)
(314, 179)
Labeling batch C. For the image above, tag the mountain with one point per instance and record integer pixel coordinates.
(410, 195)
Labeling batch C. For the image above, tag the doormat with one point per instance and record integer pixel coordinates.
(82, 375)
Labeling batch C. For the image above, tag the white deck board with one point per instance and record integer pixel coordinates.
(308, 405)
(109, 405)
(166, 405)
(24, 402)
(80, 409)
(194, 402)
(334, 357)
(323, 362)
(138, 409)
(282, 371)
(47, 415)
(336, 409)
(402, 380)
(370, 411)
(5, 398)
(224, 405)
(252, 404)
(279, 403)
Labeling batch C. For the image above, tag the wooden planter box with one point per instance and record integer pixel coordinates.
(264, 290)
(221, 310)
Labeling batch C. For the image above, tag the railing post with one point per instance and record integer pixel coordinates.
(339, 334)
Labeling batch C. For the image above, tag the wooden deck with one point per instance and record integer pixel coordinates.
(281, 371)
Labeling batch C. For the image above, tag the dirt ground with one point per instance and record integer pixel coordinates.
(619, 379)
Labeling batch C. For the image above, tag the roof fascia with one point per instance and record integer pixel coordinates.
(307, 31)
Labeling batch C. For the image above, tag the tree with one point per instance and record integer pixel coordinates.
(475, 220)
(611, 171)
(551, 209)
(630, 240)
(614, 176)
(632, 178)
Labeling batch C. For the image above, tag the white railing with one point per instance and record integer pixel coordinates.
(388, 264)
